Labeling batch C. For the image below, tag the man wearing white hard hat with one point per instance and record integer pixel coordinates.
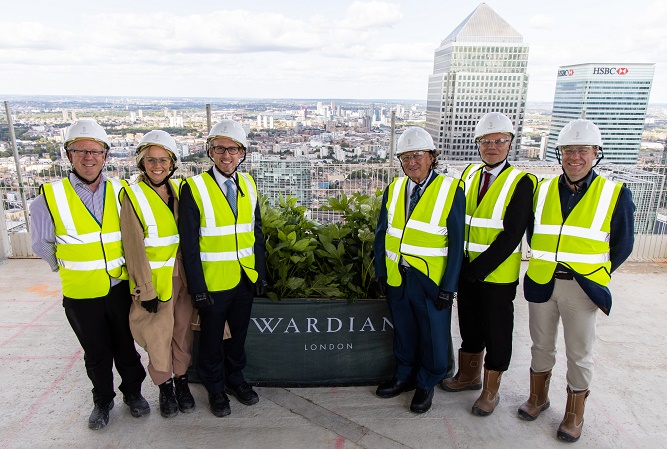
(75, 227)
(418, 251)
(498, 209)
(224, 255)
(161, 311)
(583, 230)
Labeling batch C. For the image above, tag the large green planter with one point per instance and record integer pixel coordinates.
(311, 342)
(318, 342)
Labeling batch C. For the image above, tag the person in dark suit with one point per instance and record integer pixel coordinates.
(498, 209)
(583, 230)
(220, 229)
(418, 251)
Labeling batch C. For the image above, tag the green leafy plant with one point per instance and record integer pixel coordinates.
(306, 259)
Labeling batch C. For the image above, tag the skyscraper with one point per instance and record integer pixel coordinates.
(283, 177)
(480, 67)
(614, 96)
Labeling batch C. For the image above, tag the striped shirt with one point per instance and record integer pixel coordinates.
(42, 230)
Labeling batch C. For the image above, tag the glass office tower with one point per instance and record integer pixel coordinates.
(480, 67)
(614, 96)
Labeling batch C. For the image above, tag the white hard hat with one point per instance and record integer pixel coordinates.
(579, 132)
(159, 138)
(414, 138)
(493, 122)
(229, 129)
(86, 129)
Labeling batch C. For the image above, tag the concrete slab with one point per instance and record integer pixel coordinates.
(47, 399)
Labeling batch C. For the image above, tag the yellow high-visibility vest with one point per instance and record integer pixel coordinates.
(160, 235)
(226, 242)
(484, 221)
(422, 240)
(581, 243)
(87, 252)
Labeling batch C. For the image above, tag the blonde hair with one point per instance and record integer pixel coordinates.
(140, 161)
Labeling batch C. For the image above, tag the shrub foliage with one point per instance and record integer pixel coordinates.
(306, 259)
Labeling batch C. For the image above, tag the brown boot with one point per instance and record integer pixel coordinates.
(538, 401)
(573, 421)
(469, 375)
(487, 401)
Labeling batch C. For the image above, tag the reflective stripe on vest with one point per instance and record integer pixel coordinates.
(221, 231)
(160, 236)
(422, 241)
(582, 242)
(87, 253)
(484, 221)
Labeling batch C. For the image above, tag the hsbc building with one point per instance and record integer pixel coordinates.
(614, 96)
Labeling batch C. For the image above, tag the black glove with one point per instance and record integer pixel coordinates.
(382, 285)
(202, 300)
(150, 306)
(444, 300)
(260, 287)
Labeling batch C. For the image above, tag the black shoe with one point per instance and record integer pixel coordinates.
(138, 405)
(393, 387)
(219, 403)
(99, 417)
(168, 403)
(422, 400)
(186, 403)
(244, 393)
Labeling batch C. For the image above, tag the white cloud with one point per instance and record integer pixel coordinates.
(367, 15)
(32, 35)
(541, 21)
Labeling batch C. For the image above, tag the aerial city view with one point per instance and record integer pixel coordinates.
(198, 179)
(316, 148)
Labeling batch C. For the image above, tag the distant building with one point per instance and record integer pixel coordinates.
(614, 96)
(283, 177)
(480, 67)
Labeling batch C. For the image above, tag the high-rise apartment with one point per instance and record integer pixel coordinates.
(480, 67)
(614, 96)
(277, 177)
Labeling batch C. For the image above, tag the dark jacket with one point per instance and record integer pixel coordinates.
(188, 228)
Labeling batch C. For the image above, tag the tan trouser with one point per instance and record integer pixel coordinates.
(166, 335)
(569, 303)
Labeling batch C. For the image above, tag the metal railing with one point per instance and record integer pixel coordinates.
(317, 180)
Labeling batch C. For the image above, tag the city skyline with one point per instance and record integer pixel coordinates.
(297, 49)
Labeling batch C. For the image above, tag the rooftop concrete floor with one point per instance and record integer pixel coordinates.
(45, 394)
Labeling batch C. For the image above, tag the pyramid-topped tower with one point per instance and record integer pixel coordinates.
(479, 67)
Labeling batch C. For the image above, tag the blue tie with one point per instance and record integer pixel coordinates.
(231, 195)
(414, 197)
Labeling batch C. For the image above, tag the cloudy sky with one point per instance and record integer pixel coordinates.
(299, 48)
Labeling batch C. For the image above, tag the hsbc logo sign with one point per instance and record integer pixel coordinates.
(566, 72)
(610, 71)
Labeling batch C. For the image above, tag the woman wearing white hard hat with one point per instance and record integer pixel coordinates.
(161, 311)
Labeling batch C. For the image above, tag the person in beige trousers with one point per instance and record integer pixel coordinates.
(161, 311)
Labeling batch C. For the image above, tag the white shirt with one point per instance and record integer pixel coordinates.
(221, 179)
(494, 174)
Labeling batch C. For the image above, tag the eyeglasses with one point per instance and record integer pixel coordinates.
(157, 160)
(416, 155)
(488, 142)
(581, 151)
(221, 150)
(87, 152)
